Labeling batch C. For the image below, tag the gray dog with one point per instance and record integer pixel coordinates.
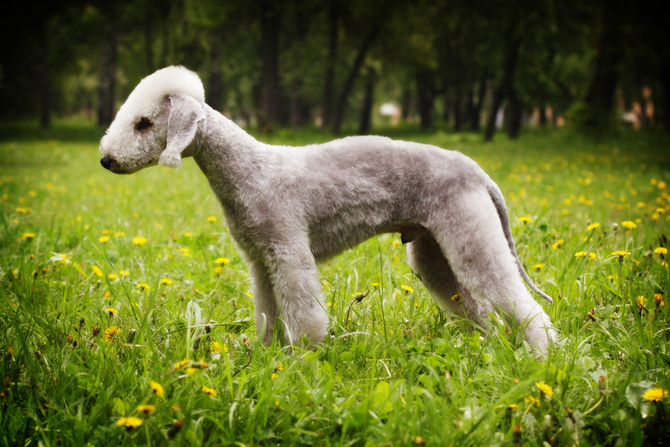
(289, 207)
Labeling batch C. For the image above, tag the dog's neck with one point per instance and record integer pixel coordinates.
(226, 154)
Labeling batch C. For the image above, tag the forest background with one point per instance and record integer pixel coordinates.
(332, 63)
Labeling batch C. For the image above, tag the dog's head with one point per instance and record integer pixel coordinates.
(156, 124)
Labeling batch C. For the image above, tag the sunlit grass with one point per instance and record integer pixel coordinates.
(126, 312)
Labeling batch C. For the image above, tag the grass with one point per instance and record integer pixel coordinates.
(108, 282)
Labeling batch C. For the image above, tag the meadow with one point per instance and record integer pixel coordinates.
(126, 314)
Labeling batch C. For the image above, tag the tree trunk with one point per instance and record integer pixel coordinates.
(494, 105)
(44, 78)
(599, 99)
(368, 100)
(215, 91)
(475, 118)
(469, 106)
(331, 63)
(270, 100)
(107, 85)
(665, 98)
(406, 103)
(458, 112)
(514, 115)
(425, 92)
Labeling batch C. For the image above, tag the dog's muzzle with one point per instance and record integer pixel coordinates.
(106, 162)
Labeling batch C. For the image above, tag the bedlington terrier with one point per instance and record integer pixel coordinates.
(289, 207)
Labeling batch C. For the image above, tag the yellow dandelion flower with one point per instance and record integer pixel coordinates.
(146, 409)
(218, 270)
(581, 254)
(111, 311)
(525, 220)
(513, 407)
(546, 389)
(142, 287)
(530, 400)
(641, 204)
(191, 371)
(209, 391)
(157, 388)
(111, 332)
(558, 244)
(97, 271)
(280, 366)
(641, 303)
(537, 267)
(166, 281)
(124, 272)
(188, 234)
(22, 210)
(113, 276)
(407, 289)
(129, 422)
(215, 346)
(661, 251)
(621, 254)
(63, 258)
(656, 395)
(107, 294)
(222, 261)
(28, 236)
(593, 226)
(103, 239)
(139, 240)
(120, 234)
(593, 256)
(456, 298)
(661, 185)
(211, 219)
(182, 363)
(274, 376)
(395, 243)
(375, 284)
(629, 225)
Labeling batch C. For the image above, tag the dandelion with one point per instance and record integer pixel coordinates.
(558, 244)
(191, 371)
(407, 289)
(28, 236)
(182, 363)
(166, 281)
(119, 234)
(97, 271)
(525, 220)
(124, 272)
(375, 284)
(218, 270)
(584, 254)
(111, 332)
(274, 376)
(139, 240)
(142, 287)
(146, 409)
(211, 219)
(621, 254)
(593, 226)
(641, 303)
(629, 225)
(280, 366)
(157, 388)
(656, 395)
(395, 243)
(111, 311)
(129, 422)
(456, 298)
(103, 239)
(22, 210)
(537, 267)
(113, 276)
(209, 391)
(216, 347)
(513, 407)
(530, 400)
(222, 261)
(661, 251)
(545, 389)
(61, 257)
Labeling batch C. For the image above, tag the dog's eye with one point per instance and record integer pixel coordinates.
(143, 124)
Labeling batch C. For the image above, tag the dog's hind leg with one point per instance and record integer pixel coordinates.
(469, 231)
(427, 260)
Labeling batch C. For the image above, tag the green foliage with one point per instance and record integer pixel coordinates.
(394, 370)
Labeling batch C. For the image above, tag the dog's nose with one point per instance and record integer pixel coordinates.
(106, 162)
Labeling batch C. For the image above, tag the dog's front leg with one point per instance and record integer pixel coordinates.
(265, 304)
(298, 294)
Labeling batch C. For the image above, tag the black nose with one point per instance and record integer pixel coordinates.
(106, 162)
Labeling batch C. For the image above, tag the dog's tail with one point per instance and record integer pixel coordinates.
(499, 202)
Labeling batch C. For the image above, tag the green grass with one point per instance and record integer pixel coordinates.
(394, 371)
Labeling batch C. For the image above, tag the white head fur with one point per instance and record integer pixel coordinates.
(138, 136)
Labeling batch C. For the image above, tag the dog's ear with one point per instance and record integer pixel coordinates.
(185, 115)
